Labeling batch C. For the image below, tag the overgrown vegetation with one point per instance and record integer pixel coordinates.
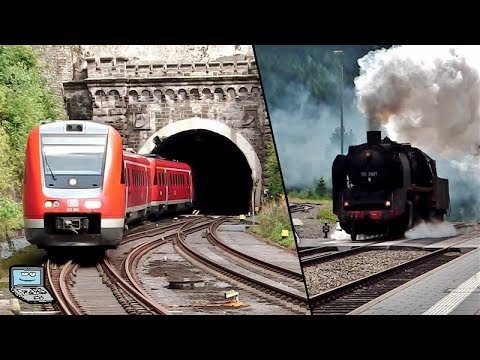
(272, 219)
(318, 190)
(325, 213)
(272, 171)
(24, 103)
(274, 215)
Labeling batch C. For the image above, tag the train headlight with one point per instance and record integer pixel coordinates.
(346, 203)
(92, 204)
(56, 204)
(48, 204)
(72, 182)
(388, 203)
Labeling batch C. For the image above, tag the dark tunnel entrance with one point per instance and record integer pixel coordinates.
(222, 176)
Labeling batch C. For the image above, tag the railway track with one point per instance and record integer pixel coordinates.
(348, 297)
(129, 265)
(263, 288)
(214, 240)
(321, 254)
(156, 229)
(300, 208)
(58, 277)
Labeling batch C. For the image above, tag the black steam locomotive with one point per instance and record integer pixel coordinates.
(383, 187)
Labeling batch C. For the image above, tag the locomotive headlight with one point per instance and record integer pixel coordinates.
(92, 204)
(346, 203)
(388, 203)
(48, 204)
(72, 182)
(56, 204)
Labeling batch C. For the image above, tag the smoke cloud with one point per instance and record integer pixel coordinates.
(426, 95)
(302, 132)
(425, 230)
(429, 96)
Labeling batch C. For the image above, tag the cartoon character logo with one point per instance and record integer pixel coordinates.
(27, 284)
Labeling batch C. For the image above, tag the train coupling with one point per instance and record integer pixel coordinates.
(72, 223)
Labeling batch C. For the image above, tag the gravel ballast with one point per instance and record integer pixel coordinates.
(331, 274)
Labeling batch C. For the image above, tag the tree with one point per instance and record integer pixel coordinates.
(321, 187)
(348, 138)
(272, 170)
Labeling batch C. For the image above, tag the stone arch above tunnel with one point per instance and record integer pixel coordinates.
(217, 127)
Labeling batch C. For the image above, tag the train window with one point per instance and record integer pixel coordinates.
(155, 179)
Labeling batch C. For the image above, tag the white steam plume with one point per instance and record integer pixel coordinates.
(431, 230)
(426, 95)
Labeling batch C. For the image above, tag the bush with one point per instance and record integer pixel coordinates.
(24, 103)
(272, 219)
(272, 171)
(325, 213)
(10, 217)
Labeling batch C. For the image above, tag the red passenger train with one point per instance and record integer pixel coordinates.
(81, 188)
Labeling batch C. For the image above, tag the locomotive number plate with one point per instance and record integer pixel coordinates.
(73, 209)
(370, 173)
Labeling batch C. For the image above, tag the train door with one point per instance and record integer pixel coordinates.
(148, 189)
(171, 186)
(190, 186)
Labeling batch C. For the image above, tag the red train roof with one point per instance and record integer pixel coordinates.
(158, 162)
(172, 164)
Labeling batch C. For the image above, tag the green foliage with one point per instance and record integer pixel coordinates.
(318, 190)
(272, 219)
(325, 213)
(10, 216)
(321, 187)
(272, 170)
(316, 68)
(24, 103)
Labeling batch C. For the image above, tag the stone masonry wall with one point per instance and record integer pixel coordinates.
(138, 99)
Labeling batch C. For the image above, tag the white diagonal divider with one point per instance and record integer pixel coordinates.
(456, 297)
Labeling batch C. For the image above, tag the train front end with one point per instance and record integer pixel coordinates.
(368, 188)
(74, 185)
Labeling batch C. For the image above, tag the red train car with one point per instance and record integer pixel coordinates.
(81, 188)
(74, 186)
(138, 186)
(172, 186)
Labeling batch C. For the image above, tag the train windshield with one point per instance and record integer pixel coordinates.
(73, 155)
